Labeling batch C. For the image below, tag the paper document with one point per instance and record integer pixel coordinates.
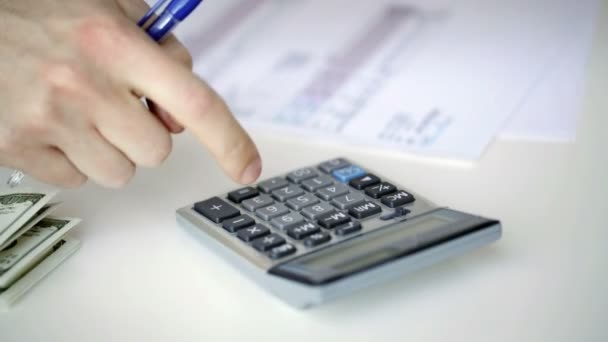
(549, 112)
(435, 78)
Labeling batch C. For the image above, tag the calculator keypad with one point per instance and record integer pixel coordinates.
(272, 211)
(308, 207)
(257, 202)
(235, 224)
(252, 233)
(290, 191)
(287, 221)
(332, 191)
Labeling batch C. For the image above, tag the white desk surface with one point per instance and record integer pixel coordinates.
(139, 277)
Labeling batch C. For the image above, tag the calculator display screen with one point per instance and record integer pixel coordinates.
(380, 246)
(375, 248)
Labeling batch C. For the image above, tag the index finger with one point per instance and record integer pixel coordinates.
(193, 104)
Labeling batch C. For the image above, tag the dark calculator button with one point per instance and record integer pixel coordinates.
(317, 239)
(252, 233)
(333, 220)
(216, 209)
(364, 210)
(240, 195)
(303, 230)
(267, 242)
(348, 228)
(282, 251)
(380, 190)
(237, 223)
(399, 212)
(398, 199)
(365, 181)
(333, 164)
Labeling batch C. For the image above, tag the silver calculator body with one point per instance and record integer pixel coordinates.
(380, 237)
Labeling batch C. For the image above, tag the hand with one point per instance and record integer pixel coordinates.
(71, 76)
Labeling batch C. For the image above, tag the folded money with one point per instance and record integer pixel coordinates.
(56, 255)
(17, 207)
(32, 243)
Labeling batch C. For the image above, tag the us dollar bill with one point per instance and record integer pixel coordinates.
(24, 244)
(17, 207)
(42, 213)
(32, 247)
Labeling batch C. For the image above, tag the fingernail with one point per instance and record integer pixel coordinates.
(252, 172)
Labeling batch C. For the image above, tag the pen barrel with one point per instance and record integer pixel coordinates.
(162, 26)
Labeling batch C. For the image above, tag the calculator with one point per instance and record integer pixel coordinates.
(325, 231)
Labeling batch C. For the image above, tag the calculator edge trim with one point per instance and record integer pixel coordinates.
(303, 296)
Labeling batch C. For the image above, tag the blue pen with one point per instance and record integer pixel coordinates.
(172, 15)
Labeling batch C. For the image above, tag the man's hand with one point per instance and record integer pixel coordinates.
(71, 74)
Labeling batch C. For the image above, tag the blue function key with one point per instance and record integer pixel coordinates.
(346, 174)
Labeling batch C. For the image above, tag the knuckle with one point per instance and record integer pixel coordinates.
(62, 75)
(202, 104)
(101, 33)
(63, 82)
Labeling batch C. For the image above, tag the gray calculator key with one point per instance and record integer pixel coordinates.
(300, 175)
(332, 191)
(256, 203)
(348, 200)
(317, 183)
(287, 221)
(317, 210)
(333, 164)
(272, 211)
(272, 184)
(302, 201)
(283, 194)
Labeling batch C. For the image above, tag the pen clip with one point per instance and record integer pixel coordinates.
(157, 6)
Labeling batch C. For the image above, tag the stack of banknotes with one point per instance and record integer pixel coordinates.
(32, 241)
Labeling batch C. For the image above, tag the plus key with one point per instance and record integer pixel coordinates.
(216, 209)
